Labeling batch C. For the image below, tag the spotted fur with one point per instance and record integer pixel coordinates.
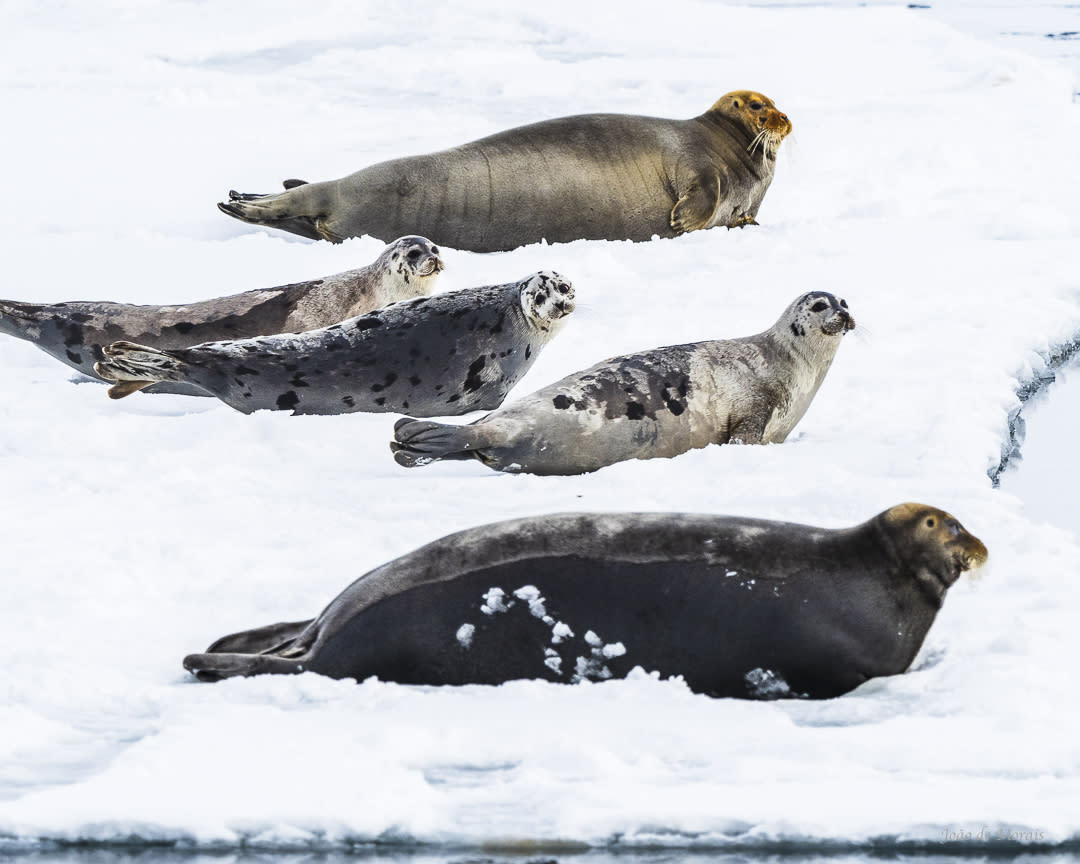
(432, 356)
(77, 332)
(657, 403)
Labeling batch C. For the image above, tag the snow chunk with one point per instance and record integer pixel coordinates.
(560, 632)
(495, 601)
(531, 595)
(464, 635)
(593, 639)
(552, 660)
(614, 649)
(767, 684)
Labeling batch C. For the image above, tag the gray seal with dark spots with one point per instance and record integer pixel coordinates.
(744, 608)
(590, 177)
(434, 356)
(657, 403)
(77, 332)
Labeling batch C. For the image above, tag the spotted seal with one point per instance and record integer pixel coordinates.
(655, 403)
(434, 356)
(590, 177)
(738, 607)
(76, 332)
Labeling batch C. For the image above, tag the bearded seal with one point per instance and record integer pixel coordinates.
(655, 403)
(75, 333)
(744, 608)
(590, 177)
(434, 356)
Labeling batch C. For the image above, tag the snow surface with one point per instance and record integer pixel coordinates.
(933, 181)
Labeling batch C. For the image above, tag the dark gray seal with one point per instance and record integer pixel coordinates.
(656, 403)
(744, 608)
(76, 333)
(434, 356)
(591, 177)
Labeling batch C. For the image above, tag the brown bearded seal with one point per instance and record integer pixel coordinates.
(655, 403)
(590, 177)
(435, 356)
(743, 608)
(76, 333)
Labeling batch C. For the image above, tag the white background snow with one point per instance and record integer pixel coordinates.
(933, 180)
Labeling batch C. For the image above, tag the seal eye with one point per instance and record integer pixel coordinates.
(843, 303)
(820, 306)
(435, 251)
(756, 106)
(413, 254)
(930, 522)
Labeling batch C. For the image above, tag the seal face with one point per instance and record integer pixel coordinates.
(433, 356)
(77, 332)
(590, 177)
(739, 607)
(657, 403)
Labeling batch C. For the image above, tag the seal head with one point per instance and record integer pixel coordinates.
(768, 125)
(936, 549)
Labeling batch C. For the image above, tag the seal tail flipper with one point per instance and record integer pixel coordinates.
(418, 442)
(269, 638)
(215, 667)
(282, 211)
(134, 367)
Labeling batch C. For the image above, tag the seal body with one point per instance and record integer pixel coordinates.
(657, 403)
(76, 333)
(739, 607)
(595, 176)
(441, 355)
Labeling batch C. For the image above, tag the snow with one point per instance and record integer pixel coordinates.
(933, 181)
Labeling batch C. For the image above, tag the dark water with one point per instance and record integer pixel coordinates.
(375, 856)
(1045, 473)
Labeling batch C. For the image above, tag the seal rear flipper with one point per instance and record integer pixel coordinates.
(418, 442)
(299, 210)
(135, 367)
(303, 225)
(126, 388)
(259, 639)
(215, 667)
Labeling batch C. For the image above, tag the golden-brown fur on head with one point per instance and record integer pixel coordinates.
(934, 544)
(759, 114)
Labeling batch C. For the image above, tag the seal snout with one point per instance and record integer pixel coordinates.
(564, 299)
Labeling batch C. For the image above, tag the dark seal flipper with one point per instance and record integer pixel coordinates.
(268, 638)
(239, 207)
(215, 667)
(300, 209)
(419, 442)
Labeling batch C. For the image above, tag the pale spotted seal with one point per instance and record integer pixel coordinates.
(435, 356)
(76, 332)
(662, 402)
(590, 177)
(738, 607)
